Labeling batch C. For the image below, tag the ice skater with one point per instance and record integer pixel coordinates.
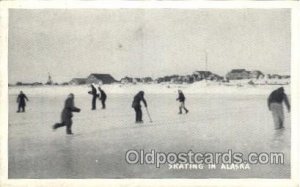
(275, 105)
(136, 105)
(102, 97)
(67, 114)
(181, 99)
(94, 93)
(22, 98)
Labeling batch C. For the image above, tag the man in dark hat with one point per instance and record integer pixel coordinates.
(67, 114)
(102, 97)
(136, 104)
(275, 100)
(22, 98)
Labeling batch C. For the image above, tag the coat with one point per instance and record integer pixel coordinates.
(137, 100)
(22, 99)
(278, 96)
(68, 110)
(102, 95)
(181, 97)
(94, 92)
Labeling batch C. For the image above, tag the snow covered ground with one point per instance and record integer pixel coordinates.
(220, 118)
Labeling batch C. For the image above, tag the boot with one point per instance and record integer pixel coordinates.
(186, 111)
(55, 126)
(180, 111)
(69, 132)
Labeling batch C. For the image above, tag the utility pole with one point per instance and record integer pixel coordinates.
(205, 66)
(205, 60)
(49, 82)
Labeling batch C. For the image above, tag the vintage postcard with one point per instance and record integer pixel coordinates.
(196, 92)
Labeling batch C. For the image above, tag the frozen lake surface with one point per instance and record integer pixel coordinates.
(215, 123)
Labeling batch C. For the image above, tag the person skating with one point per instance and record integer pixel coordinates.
(67, 114)
(136, 104)
(102, 97)
(94, 93)
(275, 105)
(181, 99)
(21, 100)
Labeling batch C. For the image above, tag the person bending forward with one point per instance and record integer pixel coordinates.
(67, 114)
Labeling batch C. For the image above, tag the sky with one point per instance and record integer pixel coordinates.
(72, 43)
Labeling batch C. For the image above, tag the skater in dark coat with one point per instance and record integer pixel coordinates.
(22, 98)
(275, 105)
(136, 104)
(95, 95)
(102, 97)
(181, 99)
(67, 114)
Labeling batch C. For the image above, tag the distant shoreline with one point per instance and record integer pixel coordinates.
(117, 88)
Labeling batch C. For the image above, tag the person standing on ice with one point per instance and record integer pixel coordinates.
(102, 97)
(94, 93)
(22, 98)
(181, 99)
(67, 114)
(275, 105)
(136, 104)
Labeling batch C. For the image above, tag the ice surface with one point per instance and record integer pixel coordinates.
(229, 118)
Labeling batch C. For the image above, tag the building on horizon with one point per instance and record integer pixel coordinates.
(201, 75)
(126, 80)
(238, 74)
(100, 79)
(256, 74)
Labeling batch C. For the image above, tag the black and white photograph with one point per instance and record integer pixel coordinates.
(149, 93)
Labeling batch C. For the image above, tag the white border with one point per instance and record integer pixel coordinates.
(3, 93)
(295, 91)
(62, 4)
